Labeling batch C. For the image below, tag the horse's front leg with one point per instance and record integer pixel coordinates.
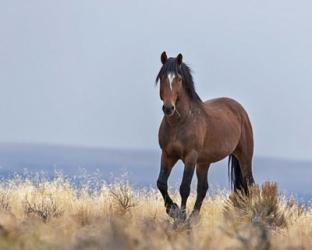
(185, 188)
(166, 165)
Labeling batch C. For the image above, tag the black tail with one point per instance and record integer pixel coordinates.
(235, 175)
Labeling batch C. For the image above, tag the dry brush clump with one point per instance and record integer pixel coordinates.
(262, 205)
(254, 219)
(123, 196)
(45, 207)
(56, 215)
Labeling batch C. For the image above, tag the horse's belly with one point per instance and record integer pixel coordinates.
(210, 156)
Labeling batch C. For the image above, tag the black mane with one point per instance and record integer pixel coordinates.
(171, 67)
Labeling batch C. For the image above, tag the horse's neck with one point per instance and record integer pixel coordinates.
(184, 108)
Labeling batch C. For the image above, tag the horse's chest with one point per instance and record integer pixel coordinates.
(175, 143)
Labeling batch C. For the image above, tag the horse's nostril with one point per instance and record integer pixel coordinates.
(168, 109)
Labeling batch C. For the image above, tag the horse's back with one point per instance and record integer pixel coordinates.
(223, 103)
(226, 108)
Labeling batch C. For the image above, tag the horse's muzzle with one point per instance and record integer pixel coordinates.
(168, 109)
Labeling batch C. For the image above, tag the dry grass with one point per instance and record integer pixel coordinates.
(55, 215)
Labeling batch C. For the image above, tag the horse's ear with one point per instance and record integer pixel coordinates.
(179, 59)
(163, 57)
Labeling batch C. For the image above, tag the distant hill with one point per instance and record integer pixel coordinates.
(142, 166)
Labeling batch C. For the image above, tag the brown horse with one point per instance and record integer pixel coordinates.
(199, 133)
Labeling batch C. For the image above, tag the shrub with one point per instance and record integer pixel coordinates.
(45, 207)
(262, 205)
(122, 196)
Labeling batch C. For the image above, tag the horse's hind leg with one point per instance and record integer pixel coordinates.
(244, 154)
(241, 172)
(245, 164)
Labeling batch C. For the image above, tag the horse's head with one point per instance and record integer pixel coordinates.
(170, 82)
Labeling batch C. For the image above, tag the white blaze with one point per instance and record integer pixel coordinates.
(171, 76)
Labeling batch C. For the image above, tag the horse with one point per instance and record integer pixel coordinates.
(199, 133)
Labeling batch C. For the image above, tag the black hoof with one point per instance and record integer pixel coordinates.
(173, 210)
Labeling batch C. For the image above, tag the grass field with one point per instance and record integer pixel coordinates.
(55, 215)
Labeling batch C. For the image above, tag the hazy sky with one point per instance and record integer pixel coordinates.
(82, 72)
